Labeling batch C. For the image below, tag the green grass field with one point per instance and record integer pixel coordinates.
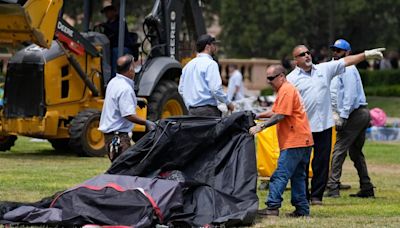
(391, 105)
(384, 211)
(32, 170)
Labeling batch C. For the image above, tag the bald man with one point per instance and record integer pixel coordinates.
(313, 83)
(295, 141)
(119, 110)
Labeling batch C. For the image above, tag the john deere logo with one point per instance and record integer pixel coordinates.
(65, 29)
(172, 35)
(173, 15)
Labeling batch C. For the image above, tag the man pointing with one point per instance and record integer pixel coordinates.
(313, 83)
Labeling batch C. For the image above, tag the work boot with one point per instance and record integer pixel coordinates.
(344, 186)
(316, 202)
(364, 193)
(268, 212)
(333, 193)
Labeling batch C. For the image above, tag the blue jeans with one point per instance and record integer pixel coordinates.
(292, 164)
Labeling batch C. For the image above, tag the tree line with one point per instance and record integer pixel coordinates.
(271, 28)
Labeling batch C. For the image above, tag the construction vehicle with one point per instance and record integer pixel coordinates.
(55, 87)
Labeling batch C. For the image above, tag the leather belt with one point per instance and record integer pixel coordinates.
(116, 133)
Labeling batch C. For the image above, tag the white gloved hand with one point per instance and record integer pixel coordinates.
(340, 124)
(374, 53)
(150, 125)
(336, 116)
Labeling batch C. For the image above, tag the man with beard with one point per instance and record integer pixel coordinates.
(200, 84)
(351, 119)
(313, 83)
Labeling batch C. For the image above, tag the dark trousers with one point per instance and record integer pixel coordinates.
(351, 139)
(205, 110)
(320, 163)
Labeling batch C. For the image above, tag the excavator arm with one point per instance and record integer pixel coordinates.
(35, 22)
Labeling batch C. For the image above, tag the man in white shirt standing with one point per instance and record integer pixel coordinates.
(119, 109)
(313, 82)
(200, 84)
(235, 84)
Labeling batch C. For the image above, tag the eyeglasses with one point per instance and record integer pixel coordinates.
(271, 78)
(304, 54)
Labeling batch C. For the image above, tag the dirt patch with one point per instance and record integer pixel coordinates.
(391, 169)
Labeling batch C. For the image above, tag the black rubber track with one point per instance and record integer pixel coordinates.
(60, 144)
(6, 142)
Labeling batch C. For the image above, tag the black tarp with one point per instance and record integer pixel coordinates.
(107, 199)
(212, 161)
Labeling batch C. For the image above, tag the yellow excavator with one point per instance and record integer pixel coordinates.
(55, 86)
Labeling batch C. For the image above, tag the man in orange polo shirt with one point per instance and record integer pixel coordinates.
(295, 141)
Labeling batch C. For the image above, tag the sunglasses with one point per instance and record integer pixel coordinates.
(271, 78)
(337, 50)
(304, 54)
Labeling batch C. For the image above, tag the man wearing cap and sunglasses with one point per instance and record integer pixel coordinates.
(200, 84)
(313, 83)
(295, 141)
(352, 118)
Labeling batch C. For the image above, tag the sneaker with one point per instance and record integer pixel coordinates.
(369, 193)
(268, 212)
(316, 202)
(344, 186)
(296, 214)
(333, 193)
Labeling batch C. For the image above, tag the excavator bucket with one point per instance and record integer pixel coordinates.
(34, 22)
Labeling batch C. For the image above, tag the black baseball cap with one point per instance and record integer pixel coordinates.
(203, 40)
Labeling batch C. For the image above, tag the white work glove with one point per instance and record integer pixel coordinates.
(374, 53)
(340, 124)
(336, 116)
(150, 125)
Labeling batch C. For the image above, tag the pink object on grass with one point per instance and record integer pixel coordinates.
(378, 117)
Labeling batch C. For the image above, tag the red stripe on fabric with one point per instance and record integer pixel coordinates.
(120, 189)
(155, 206)
(110, 185)
(91, 187)
(55, 199)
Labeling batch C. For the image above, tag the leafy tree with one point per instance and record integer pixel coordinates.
(256, 28)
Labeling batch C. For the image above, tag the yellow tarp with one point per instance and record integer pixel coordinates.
(267, 149)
